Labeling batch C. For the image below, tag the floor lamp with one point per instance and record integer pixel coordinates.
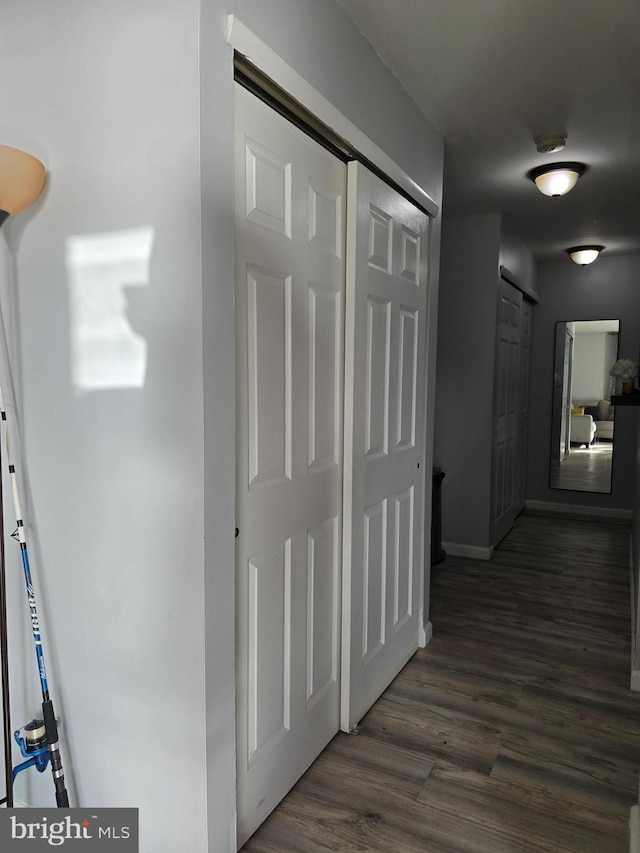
(21, 182)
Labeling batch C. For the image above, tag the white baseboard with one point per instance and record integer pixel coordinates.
(473, 551)
(550, 508)
(634, 830)
(426, 633)
(635, 680)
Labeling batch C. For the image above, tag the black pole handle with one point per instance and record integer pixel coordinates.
(51, 729)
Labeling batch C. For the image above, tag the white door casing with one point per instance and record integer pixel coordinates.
(385, 353)
(290, 208)
(561, 407)
(567, 374)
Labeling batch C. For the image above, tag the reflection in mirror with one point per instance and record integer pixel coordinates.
(582, 416)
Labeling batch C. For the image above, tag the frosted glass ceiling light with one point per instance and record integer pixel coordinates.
(21, 181)
(556, 179)
(584, 255)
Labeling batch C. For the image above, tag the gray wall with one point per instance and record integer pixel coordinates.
(472, 251)
(323, 45)
(464, 384)
(517, 258)
(130, 105)
(607, 289)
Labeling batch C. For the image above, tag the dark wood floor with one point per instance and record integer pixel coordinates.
(514, 731)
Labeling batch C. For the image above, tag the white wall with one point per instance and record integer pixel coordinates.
(129, 104)
(216, 145)
(608, 289)
(106, 94)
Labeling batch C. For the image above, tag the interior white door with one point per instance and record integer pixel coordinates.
(567, 377)
(290, 208)
(505, 418)
(561, 408)
(523, 404)
(385, 348)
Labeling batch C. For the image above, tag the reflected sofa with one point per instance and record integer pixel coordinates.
(601, 413)
(583, 429)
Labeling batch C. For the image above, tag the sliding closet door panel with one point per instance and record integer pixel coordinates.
(507, 413)
(290, 220)
(384, 438)
(523, 404)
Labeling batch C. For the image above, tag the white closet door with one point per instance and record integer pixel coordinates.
(523, 404)
(290, 203)
(384, 439)
(506, 412)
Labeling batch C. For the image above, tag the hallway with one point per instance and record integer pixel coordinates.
(514, 731)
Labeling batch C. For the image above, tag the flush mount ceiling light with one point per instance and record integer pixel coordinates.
(556, 179)
(21, 180)
(584, 255)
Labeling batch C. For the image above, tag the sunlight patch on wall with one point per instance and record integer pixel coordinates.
(107, 351)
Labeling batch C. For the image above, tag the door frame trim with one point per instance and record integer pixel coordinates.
(242, 39)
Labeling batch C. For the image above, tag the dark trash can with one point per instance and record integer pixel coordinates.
(437, 554)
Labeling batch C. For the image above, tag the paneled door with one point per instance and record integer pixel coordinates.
(565, 393)
(290, 209)
(523, 404)
(384, 439)
(506, 412)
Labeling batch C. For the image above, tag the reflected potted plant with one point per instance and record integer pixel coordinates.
(625, 371)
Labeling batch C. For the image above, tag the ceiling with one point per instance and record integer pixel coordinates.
(492, 75)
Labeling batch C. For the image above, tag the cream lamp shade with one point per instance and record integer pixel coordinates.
(584, 255)
(556, 179)
(21, 180)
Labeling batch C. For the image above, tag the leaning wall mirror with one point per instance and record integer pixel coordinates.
(582, 420)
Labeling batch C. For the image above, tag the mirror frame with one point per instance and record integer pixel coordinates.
(562, 397)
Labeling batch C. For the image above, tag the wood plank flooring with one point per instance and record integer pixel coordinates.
(585, 469)
(514, 731)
